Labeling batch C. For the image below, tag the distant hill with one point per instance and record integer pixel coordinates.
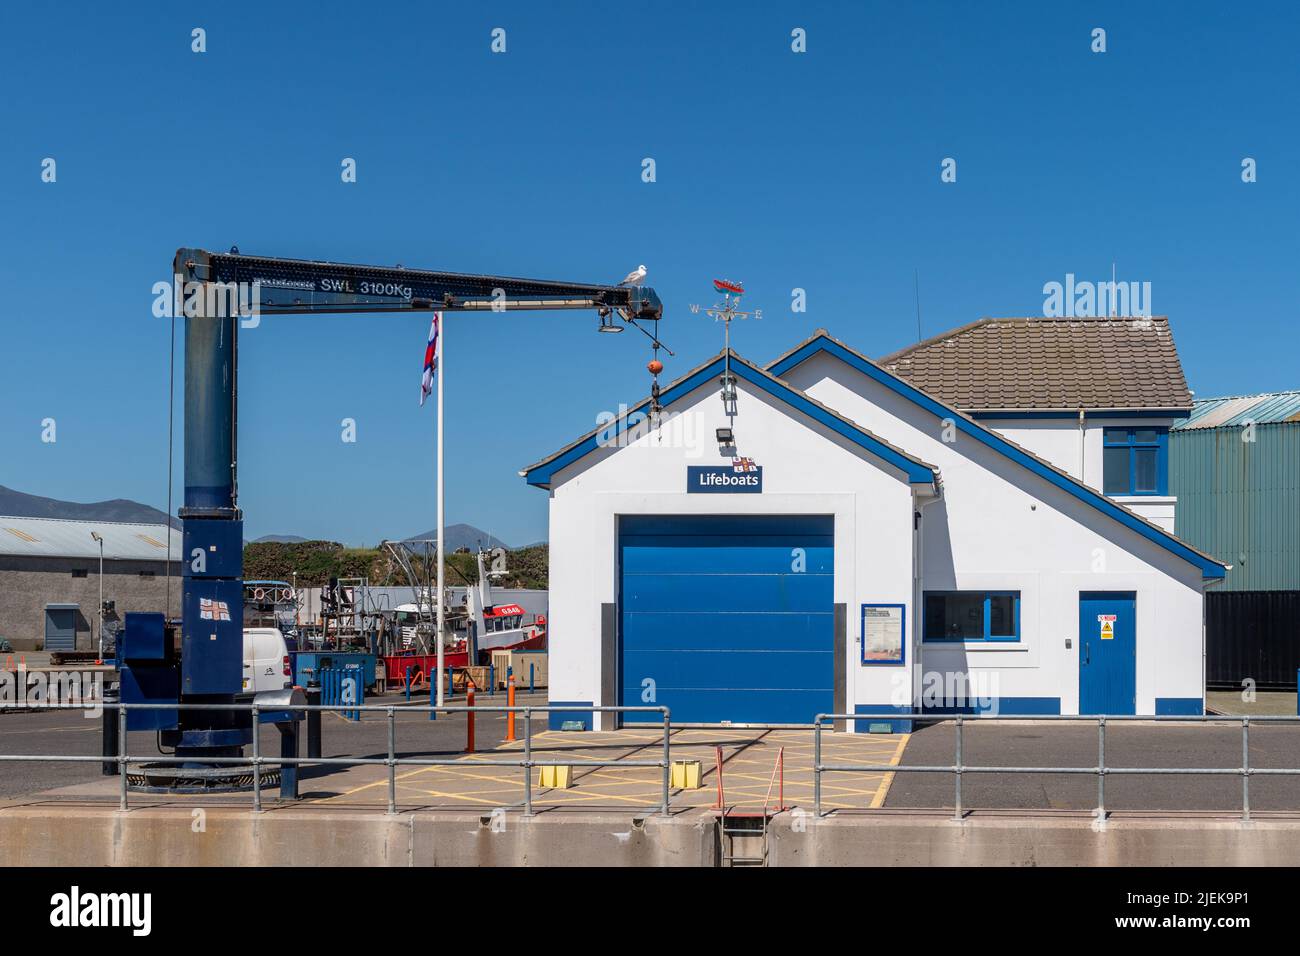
(279, 539)
(22, 505)
(462, 536)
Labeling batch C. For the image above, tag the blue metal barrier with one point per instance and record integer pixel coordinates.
(343, 687)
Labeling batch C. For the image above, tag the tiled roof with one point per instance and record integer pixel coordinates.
(1049, 365)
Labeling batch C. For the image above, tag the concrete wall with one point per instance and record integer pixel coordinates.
(91, 836)
(28, 584)
(998, 526)
(85, 836)
(807, 469)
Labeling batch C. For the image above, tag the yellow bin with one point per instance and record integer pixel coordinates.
(686, 775)
(555, 778)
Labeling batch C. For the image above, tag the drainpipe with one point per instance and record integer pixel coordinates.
(918, 568)
(1082, 444)
(1205, 591)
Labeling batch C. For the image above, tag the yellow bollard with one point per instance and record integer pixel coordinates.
(555, 777)
(685, 775)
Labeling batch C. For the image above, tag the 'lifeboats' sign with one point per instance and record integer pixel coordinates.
(710, 479)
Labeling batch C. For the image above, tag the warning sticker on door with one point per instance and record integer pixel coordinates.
(1107, 622)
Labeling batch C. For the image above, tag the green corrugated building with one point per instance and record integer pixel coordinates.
(1234, 466)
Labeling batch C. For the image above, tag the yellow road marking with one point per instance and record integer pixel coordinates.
(883, 790)
(748, 761)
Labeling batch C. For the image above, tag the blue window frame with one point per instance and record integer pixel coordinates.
(1135, 461)
(971, 616)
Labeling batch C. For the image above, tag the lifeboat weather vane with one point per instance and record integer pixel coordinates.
(724, 312)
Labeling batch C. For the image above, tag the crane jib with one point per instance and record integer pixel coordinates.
(303, 286)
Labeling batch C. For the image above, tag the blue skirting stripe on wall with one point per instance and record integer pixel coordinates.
(1001, 705)
(1179, 707)
(559, 717)
(895, 726)
(997, 705)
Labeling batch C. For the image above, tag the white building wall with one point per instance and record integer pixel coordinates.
(1058, 441)
(807, 469)
(998, 526)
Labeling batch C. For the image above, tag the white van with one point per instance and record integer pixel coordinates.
(266, 660)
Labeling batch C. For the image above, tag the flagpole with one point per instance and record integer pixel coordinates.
(441, 373)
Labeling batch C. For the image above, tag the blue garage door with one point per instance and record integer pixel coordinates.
(728, 618)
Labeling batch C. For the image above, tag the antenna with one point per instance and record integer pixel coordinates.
(917, 276)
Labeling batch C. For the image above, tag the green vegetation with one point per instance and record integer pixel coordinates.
(317, 561)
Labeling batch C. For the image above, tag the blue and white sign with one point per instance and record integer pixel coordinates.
(741, 477)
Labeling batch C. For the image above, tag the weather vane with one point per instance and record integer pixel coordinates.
(724, 312)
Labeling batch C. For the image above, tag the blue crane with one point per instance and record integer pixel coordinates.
(213, 289)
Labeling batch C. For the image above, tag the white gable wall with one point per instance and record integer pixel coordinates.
(999, 526)
(807, 469)
(1057, 440)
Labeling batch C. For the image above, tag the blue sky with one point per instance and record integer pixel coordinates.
(817, 171)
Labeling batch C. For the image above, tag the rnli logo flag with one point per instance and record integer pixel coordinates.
(213, 610)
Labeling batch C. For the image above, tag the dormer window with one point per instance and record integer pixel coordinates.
(1135, 461)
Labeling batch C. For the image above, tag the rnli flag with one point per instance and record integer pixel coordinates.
(430, 360)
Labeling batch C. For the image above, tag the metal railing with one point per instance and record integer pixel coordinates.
(256, 759)
(1101, 771)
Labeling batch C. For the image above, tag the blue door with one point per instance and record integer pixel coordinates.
(61, 627)
(1107, 652)
(727, 618)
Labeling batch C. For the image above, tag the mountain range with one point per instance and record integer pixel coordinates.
(22, 505)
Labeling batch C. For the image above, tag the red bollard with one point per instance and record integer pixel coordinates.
(510, 702)
(469, 724)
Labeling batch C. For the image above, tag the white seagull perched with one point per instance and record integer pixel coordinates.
(636, 277)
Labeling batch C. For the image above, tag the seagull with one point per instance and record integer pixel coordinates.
(635, 277)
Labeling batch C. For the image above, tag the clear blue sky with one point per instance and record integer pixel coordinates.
(818, 170)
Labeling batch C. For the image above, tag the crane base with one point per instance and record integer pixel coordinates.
(169, 778)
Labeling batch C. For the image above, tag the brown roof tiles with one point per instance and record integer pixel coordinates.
(1049, 365)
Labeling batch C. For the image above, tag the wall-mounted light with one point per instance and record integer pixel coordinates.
(726, 437)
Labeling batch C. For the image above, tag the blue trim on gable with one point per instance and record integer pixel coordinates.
(1179, 707)
(1012, 414)
(1210, 569)
(916, 474)
(556, 718)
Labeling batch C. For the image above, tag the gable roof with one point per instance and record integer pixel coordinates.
(821, 341)
(1044, 364)
(917, 471)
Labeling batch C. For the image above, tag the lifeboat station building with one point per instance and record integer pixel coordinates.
(978, 523)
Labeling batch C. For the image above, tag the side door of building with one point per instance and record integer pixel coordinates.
(1108, 652)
